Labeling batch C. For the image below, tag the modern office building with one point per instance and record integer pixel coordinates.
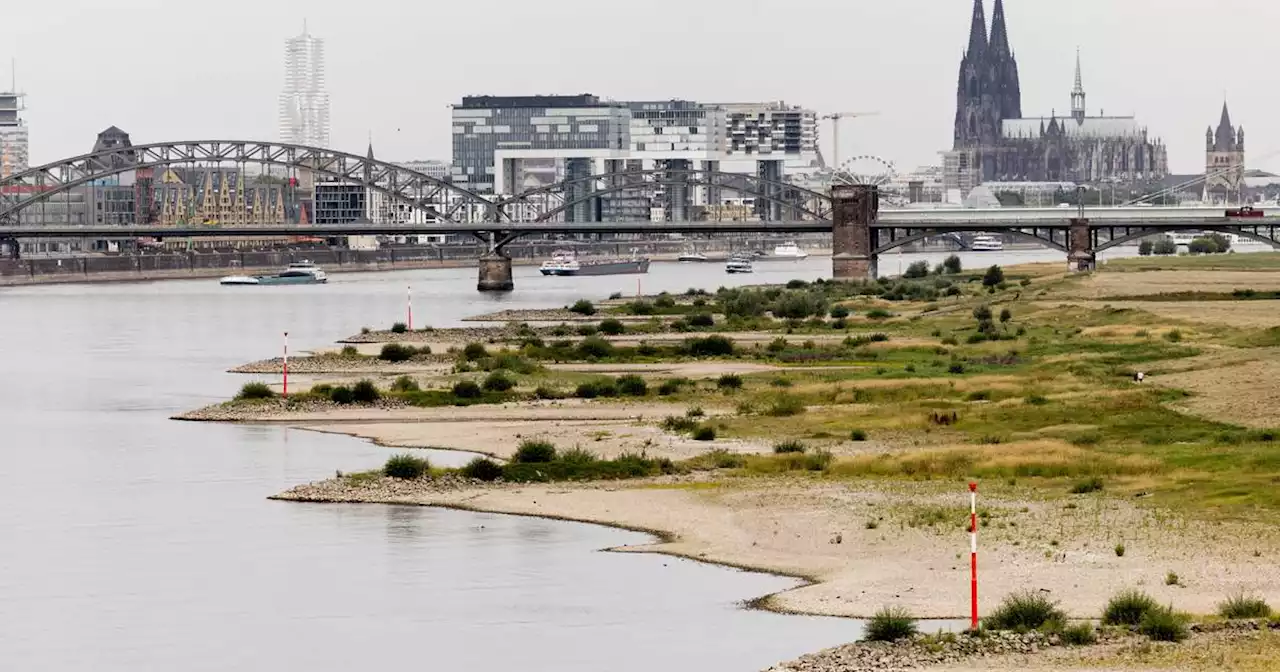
(14, 141)
(429, 167)
(339, 202)
(304, 102)
(771, 130)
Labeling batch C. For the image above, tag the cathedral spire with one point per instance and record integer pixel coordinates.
(978, 30)
(1225, 137)
(1077, 93)
(999, 31)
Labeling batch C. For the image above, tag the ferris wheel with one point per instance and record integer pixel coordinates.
(865, 169)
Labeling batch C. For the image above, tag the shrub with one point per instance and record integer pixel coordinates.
(730, 381)
(394, 352)
(1244, 606)
(399, 328)
(342, 395)
(1173, 336)
(695, 412)
(365, 392)
(781, 382)
(1025, 611)
(1119, 550)
(1081, 634)
(1163, 625)
(664, 300)
(498, 382)
(632, 385)
(482, 469)
(678, 425)
(583, 307)
(612, 327)
(474, 352)
(255, 390)
(467, 390)
(785, 405)
(1145, 248)
(615, 296)
(919, 269)
(596, 388)
(1087, 486)
(405, 384)
(405, 466)
(544, 392)
(1165, 246)
(982, 313)
(701, 320)
(704, 433)
(890, 624)
(1171, 579)
(839, 313)
(534, 452)
(1005, 315)
(956, 368)
(791, 446)
(952, 265)
(350, 351)
(586, 330)
(993, 277)
(1128, 608)
(857, 435)
(670, 387)
(711, 346)
(594, 347)
(878, 314)
(818, 461)
(640, 307)
(561, 330)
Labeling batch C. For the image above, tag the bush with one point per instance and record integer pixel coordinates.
(704, 433)
(785, 405)
(534, 452)
(586, 330)
(255, 390)
(405, 466)
(665, 301)
(612, 327)
(1025, 611)
(993, 277)
(482, 469)
(1165, 246)
(890, 624)
(670, 387)
(839, 313)
(399, 328)
(1163, 625)
(791, 446)
(730, 381)
(342, 395)
(695, 412)
(594, 347)
(1119, 550)
(1081, 634)
(711, 346)
(544, 392)
(1145, 248)
(1005, 315)
(952, 265)
(818, 461)
(583, 307)
(982, 313)
(1174, 336)
(467, 390)
(702, 320)
(632, 385)
(596, 388)
(365, 392)
(615, 296)
(405, 384)
(857, 435)
(1128, 608)
(350, 351)
(474, 352)
(498, 382)
(878, 314)
(919, 269)
(394, 352)
(639, 307)
(1087, 486)
(1243, 606)
(679, 425)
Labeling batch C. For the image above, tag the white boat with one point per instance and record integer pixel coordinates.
(789, 250)
(693, 256)
(298, 273)
(738, 265)
(986, 244)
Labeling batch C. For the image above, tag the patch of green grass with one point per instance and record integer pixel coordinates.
(1241, 606)
(405, 466)
(255, 391)
(1162, 624)
(890, 624)
(1025, 611)
(1128, 607)
(790, 446)
(1093, 484)
(1081, 634)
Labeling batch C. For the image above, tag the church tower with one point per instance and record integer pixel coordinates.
(1005, 66)
(1224, 161)
(1077, 94)
(974, 109)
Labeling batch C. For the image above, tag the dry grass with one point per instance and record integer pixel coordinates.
(1139, 283)
(1042, 458)
(1244, 393)
(1242, 314)
(1252, 653)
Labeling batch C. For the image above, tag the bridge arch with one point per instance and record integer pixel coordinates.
(916, 235)
(1271, 238)
(400, 184)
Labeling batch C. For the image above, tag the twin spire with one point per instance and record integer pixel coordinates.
(978, 41)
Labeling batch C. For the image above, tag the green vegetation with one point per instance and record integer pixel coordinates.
(1080, 634)
(405, 466)
(1243, 606)
(399, 328)
(612, 327)
(498, 382)
(1025, 611)
(534, 452)
(583, 307)
(729, 381)
(704, 433)
(365, 392)
(467, 390)
(790, 446)
(255, 391)
(482, 469)
(890, 624)
(1129, 607)
(1162, 624)
(405, 384)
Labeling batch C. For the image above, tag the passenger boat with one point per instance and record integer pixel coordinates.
(566, 263)
(738, 264)
(692, 255)
(789, 250)
(298, 273)
(986, 244)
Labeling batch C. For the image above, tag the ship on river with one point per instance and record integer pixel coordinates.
(564, 262)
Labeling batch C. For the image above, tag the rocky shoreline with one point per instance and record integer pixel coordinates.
(340, 364)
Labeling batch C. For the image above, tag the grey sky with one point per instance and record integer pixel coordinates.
(166, 70)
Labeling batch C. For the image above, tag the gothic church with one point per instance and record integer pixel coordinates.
(995, 143)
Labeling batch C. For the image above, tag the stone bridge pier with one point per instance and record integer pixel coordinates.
(855, 208)
(1080, 254)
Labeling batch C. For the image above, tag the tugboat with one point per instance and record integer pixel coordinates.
(298, 273)
(566, 263)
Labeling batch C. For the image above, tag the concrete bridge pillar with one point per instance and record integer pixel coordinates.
(1080, 255)
(495, 273)
(855, 208)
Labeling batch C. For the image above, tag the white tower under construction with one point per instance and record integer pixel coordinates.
(14, 150)
(304, 103)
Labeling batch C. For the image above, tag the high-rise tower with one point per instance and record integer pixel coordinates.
(304, 103)
(14, 141)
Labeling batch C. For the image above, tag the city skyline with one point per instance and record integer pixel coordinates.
(384, 83)
(304, 101)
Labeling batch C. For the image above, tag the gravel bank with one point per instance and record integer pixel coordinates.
(340, 364)
(919, 652)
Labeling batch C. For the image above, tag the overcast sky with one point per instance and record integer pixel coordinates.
(167, 70)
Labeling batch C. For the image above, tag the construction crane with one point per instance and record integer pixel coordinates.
(835, 118)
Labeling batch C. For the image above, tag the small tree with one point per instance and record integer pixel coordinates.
(1005, 316)
(1145, 248)
(952, 265)
(839, 312)
(919, 269)
(993, 277)
(1165, 246)
(982, 313)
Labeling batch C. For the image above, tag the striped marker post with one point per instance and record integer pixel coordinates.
(973, 555)
(409, 303)
(286, 365)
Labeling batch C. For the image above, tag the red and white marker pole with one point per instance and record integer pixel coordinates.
(973, 554)
(286, 365)
(409, 305)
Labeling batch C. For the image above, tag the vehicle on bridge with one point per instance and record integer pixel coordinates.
(566, 263)
(1247, 211)
(299, 273)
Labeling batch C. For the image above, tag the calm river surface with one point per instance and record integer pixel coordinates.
(132, 542)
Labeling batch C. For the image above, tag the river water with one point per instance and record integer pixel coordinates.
(132, 542)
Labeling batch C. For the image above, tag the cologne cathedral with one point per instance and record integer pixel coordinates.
(994, 142)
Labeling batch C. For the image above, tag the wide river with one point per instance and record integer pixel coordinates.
(132, 542)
